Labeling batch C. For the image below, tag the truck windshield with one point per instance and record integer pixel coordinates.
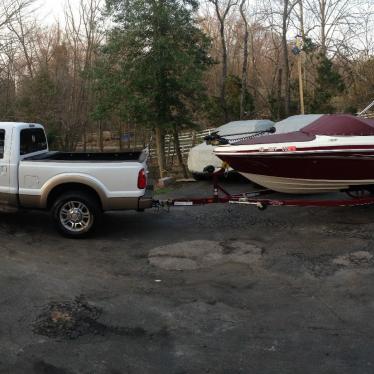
(32, 140)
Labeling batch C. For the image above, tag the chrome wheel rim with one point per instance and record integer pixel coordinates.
(75, 216)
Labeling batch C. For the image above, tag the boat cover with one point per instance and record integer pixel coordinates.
(296, 136)
(342, 125)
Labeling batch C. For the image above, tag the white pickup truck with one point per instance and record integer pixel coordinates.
(76, 187)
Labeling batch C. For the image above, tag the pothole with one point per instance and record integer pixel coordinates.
(200, 254)
(75, 318)
(69, 319)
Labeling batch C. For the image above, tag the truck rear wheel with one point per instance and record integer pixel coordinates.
(76, 214)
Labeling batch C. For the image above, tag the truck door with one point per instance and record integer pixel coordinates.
(6, 197)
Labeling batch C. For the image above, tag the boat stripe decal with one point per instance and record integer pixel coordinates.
(299, 150)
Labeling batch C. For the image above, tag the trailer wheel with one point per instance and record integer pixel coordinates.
(76, 214)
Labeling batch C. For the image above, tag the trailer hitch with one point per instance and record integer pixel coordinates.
(163, 205)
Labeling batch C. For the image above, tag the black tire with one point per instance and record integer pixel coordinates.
(76, 214)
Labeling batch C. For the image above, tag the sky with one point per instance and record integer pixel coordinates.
(48, 11)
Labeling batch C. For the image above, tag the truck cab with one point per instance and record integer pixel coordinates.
(17, 141)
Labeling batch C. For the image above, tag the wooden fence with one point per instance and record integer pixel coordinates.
(110, 142)
(369, 115)
(187, 140)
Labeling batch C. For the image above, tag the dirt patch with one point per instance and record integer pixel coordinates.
(318, 266)
(198, 254)
(355, 258)
(72, 319)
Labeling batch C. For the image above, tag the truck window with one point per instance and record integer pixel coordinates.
(32, 140)
(2, 140)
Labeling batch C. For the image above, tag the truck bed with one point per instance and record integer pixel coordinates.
(87, 157)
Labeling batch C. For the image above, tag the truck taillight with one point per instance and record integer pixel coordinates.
(142, 180)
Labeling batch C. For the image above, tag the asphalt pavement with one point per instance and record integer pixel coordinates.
(210, 289)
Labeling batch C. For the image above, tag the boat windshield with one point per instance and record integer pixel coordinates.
(239, 127)
(296, 123)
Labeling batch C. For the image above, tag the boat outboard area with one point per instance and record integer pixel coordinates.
(324, 153)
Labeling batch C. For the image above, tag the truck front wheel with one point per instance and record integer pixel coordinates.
(76, 214)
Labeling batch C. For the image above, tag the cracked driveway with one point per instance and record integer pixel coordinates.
(214, 289)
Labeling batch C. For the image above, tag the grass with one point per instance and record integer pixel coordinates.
(162, 191)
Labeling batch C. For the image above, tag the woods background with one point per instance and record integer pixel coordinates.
(127, 72)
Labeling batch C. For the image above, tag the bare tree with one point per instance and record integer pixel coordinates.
(16, 18)
(288, 7)
(222, 9)
(278, 16)
(365, 38)
(245, 57)
(83, 36)
(11, 9)
(335, 23)
(8, 57)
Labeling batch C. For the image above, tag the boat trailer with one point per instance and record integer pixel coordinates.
(262, 198)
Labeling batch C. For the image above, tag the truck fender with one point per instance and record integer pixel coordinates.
(83, 179)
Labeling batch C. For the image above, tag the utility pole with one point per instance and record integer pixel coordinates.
(300, 62)
(301, 83)
(297, 51)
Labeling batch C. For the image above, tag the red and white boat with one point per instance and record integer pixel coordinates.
(332, 153)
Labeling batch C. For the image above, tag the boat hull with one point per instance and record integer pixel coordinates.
(334, 152)
(305, 186)
(305, 173)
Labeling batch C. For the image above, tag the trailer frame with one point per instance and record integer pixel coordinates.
(221, 196)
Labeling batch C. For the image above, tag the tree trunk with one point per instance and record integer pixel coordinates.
(178, 151)
(135, 139)
(193, 138)
(300, 59)
(101, 143)
(301, 85)
(160, 148)
(322, 4)
(285, 64)
(245, 61)
(120, 141)
(279, 94)
(84, 137)
(224, 70)
(253, 69)
(169, 156)
(302, 27)
(221, 18)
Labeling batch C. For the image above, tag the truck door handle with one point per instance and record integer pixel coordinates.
(3, 170)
